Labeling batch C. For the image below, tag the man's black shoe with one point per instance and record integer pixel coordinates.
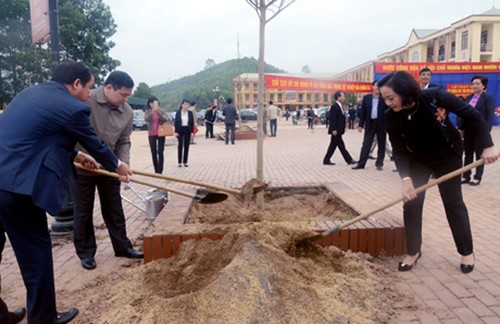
(66, 317)
(131, 254)
(357, 167)
(379, 168)
(17, 315)
(328, 163)
(89, 263)
(353, 162)
(372, 157)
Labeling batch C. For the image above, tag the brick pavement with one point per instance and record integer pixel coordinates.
(294, 158)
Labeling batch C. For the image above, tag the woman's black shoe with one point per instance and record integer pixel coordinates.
(465, 181)
(407, 267)
(467, 268)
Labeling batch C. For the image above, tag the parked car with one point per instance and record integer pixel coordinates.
(321, 114)
(138, 121)
(220, 116)
(201, 117)
(248, 114)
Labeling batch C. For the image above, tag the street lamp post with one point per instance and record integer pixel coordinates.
(216, 90)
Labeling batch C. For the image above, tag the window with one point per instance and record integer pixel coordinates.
(316, 97)
(453, 49)
(325, 97)
(301, 97)
(271, 97)
(247, 86)
(415, 56)
(485, 47)
(465, 40)
(308, 97)
(255, 86)
(280, 97)
(441, 53)
(247, 97)
(290, 95)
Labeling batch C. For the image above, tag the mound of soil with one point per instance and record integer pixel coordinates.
(279, 206)
(253, 275)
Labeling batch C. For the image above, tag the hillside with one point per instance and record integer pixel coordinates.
(198, 87)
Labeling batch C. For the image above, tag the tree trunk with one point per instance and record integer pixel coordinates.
(260, 114)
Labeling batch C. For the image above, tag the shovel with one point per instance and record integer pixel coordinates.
(418, 190)
(207, 197)
(255, 189)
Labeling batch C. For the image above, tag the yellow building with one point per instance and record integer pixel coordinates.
(246, 87)
(471, 39)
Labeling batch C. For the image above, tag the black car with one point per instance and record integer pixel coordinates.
(248, 114)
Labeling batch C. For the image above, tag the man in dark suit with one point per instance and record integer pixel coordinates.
(352, 116)
(337, 129)
(485, 105)
(372, 119)
(425, 76)
(209, 121)
(231, 115)
(36, 158)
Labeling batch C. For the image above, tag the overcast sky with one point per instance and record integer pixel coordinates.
(163, 40)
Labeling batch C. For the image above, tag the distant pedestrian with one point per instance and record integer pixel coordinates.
(155, 116)
(352, 116)
(209, 121)
(485, 105)
(192, 108)
(184, 127)
(231, 114)
(372, 121)
(273, 113)
(336, 130)
(287, 115)
(310, 118)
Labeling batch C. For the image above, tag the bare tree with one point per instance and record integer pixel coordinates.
(274, 7)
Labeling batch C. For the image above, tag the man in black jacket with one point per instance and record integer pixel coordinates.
(372, 120)
(336, 129)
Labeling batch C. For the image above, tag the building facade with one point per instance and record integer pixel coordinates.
(246, 89)
(470, 39)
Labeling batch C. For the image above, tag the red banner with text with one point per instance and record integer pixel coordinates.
(461, 67)
(305, 84)
(459, 89)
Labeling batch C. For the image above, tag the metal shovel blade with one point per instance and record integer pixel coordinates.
(209, 197)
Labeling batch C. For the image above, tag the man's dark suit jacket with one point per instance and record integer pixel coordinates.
(38, 132)
(366, 111)
(337, 119)
(486, 107)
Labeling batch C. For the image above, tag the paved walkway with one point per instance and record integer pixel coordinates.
(294, 158)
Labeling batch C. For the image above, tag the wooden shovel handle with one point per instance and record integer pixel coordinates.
(418, 190)
(117, 176)
(196, 183)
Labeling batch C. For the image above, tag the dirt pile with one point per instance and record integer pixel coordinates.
(280, 206)
(253, 275)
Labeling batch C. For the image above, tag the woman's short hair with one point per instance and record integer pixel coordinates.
(69, 71)
(404, 85)
(151, 100)
(483, 79)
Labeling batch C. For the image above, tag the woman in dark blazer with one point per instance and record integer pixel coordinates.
(184, 128)
(485, 105)
(424, 143)
(155, 116)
